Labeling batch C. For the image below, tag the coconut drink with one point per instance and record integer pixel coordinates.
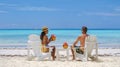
(65, 45)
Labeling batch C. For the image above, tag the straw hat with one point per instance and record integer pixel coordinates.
(44, 28)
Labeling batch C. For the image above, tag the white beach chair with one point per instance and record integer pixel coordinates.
(90, 44)
(35, 44)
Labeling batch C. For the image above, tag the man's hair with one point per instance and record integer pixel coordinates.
(84, 29)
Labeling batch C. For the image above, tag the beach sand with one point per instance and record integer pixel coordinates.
(17, 57)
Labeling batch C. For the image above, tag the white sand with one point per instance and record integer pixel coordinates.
(23, 51)
(16, 61)
(17, 58)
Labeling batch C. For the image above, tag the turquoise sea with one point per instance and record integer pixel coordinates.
(18, 38)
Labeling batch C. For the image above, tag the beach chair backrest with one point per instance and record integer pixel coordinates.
(34, 42)
(90, 43)
(34, 37)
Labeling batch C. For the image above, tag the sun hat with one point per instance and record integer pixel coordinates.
(44, 28)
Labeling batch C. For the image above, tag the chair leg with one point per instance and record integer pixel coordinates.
(67, 54)
(85, 59)
(49, 57)
(57, 55)
(29, 55)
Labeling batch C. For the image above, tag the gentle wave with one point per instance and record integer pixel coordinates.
(18, 38)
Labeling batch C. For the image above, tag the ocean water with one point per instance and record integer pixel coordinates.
(18, 38)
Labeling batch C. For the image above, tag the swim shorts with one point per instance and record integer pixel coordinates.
(78, 50)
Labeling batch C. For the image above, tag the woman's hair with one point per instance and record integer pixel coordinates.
(42, 35)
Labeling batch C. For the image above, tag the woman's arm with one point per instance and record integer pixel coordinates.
(46, 41)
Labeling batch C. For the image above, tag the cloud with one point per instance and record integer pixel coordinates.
(37, 9)
(1, 4)
(104, 14)
(80, 15)
(28, 8)
(6, 4)
(117, 9)
(3, 12)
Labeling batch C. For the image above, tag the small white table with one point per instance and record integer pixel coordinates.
(58, 49)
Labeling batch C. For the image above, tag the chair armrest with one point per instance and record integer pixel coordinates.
(50, 48)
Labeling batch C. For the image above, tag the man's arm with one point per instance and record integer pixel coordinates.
(74, 44)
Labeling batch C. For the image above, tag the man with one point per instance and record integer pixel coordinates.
(81, 39)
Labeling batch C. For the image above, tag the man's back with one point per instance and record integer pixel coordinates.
(82, 39)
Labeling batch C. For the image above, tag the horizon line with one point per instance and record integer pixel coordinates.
(62, 29)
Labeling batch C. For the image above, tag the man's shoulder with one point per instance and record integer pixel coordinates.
(84, 35)
(79, 36)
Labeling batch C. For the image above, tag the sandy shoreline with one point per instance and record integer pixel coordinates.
(17, 57)
(23, 51)
(6, 61)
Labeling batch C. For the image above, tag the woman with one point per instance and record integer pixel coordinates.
(45, 41)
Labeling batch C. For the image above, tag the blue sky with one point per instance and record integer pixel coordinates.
(33, 14)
